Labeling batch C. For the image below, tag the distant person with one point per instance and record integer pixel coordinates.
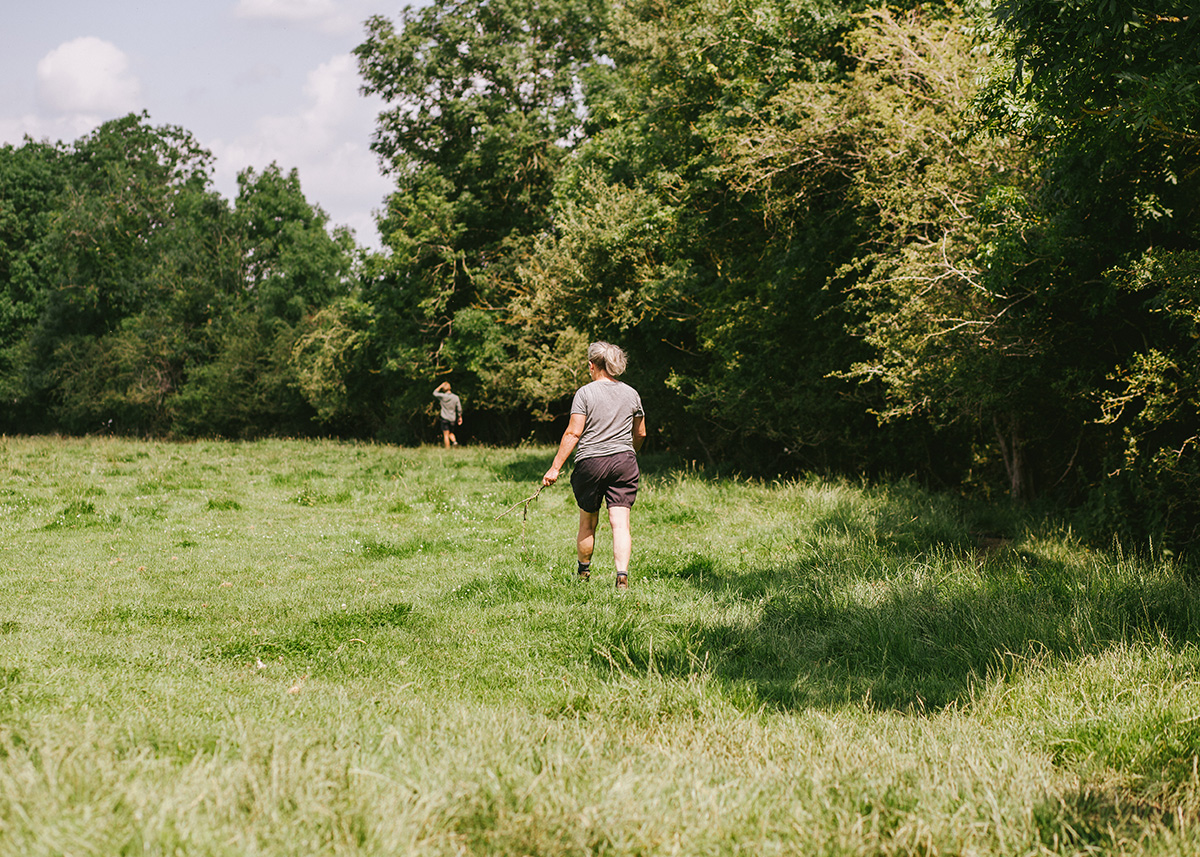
(451, 413)
(606, 429)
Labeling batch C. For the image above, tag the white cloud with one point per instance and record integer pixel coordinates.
(325, 15)
(327, 141)
(88, 76)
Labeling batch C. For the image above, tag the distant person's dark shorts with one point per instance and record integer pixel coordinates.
(447, 425)
(613, 478)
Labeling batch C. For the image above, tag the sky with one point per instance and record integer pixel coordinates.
(255, 81)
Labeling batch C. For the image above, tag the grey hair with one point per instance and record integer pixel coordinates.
(608, 357)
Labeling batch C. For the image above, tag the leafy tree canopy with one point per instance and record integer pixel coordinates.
(1119, 63)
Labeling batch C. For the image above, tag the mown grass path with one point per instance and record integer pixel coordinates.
(293, 647)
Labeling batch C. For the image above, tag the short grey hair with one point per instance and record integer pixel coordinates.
(608, 357)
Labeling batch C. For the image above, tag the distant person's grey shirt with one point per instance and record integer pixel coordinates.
(608, 408)
(451, 405)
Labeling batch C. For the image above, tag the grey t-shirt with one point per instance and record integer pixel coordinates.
(608, 408)
(451, 405)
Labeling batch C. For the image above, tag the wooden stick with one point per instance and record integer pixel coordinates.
(526, 501)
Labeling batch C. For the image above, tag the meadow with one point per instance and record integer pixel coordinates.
(308, 647)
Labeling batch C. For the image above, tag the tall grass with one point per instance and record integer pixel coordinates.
(291, 647)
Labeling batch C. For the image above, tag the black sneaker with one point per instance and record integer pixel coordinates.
(585, 571)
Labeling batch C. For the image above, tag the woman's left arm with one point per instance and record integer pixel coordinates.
(639, 432)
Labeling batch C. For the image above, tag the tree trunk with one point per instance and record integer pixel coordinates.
(1012, 448)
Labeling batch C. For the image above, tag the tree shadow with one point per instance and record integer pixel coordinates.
(817, 643)
(523, 467)
(1098, 818)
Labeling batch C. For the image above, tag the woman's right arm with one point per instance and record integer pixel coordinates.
(565, 447)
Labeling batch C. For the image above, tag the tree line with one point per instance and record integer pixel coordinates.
(958, 244)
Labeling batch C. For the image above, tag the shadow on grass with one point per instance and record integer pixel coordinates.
(815, 641)
(1098, 818)
(524, 467)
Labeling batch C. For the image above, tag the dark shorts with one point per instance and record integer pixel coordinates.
(613, 478)
(447, 425)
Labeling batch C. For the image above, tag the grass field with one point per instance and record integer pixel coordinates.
(289, 647)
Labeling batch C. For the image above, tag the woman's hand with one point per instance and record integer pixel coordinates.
(551, 476)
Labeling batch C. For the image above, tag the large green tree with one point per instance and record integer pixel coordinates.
(1110, 94)
(1000, 306)
(705, 220)
(951, 285)
(133, 298)
(288, 267)
(119, 268)
(32, 181)
(483, 106)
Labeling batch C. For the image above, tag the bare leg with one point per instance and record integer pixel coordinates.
(585, 542)
(618, 517)
(446, 438)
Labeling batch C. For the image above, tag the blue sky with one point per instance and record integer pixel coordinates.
(256, 81)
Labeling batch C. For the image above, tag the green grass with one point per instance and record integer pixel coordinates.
(289, 647)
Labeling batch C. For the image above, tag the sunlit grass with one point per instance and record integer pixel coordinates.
(289, 647)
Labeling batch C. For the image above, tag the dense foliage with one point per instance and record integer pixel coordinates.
(139, 301)
(959, 244)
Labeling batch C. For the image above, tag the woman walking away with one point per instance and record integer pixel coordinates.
(606, 430)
